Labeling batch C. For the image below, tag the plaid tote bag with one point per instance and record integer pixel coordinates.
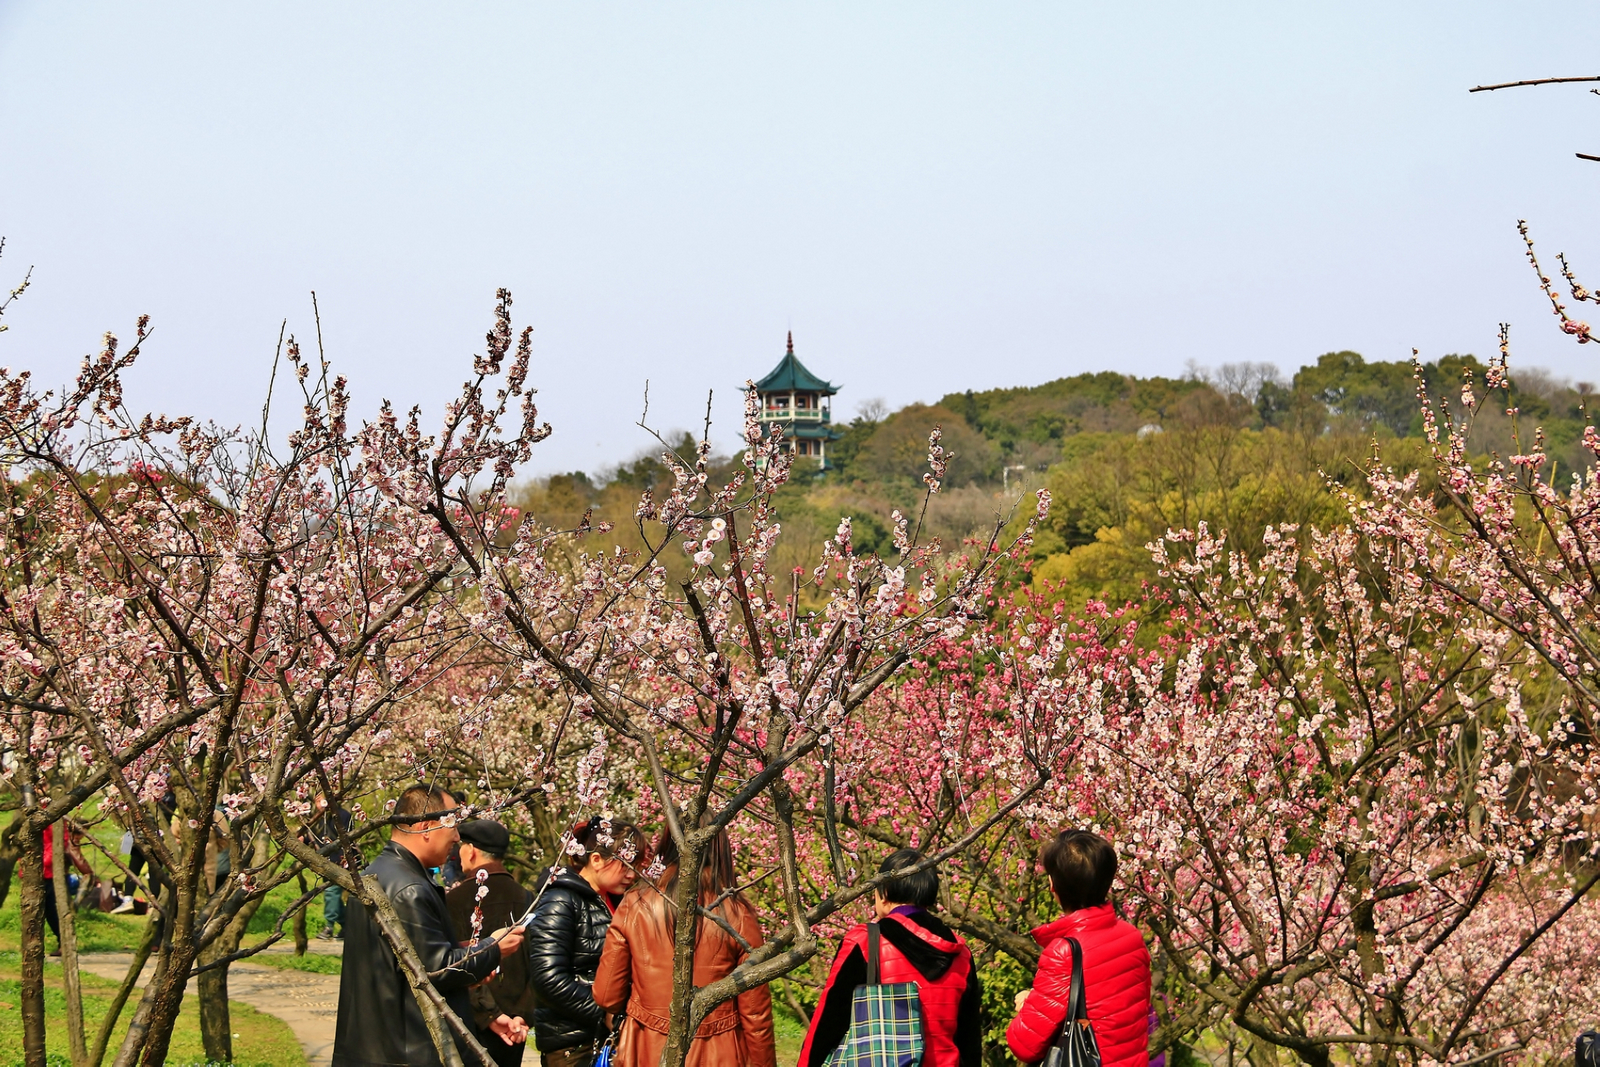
(885, 1020)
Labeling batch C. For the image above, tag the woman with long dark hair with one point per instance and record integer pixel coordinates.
(635, 974)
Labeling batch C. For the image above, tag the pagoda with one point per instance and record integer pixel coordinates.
(798, 400)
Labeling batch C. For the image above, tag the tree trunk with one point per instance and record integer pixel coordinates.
(301, 941)
(139, 1027)
(686, 900)
(169, 985)
(172, 973)
(141, 955)
(76, 1043)
(1364, 925)
(215, 1023)
(133, 1041)
(32, 949)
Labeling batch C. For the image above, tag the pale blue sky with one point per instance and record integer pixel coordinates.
(933, 196)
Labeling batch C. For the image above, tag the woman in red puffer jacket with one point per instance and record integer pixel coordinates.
(1116, 963)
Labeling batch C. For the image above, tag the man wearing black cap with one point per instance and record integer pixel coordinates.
(483, 848)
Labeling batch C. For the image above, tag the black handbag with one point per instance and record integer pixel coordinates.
(1588, 1049)
(1075, 1046)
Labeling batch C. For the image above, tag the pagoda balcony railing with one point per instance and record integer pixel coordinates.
(825, 417)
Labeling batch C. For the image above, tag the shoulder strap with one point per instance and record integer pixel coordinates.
(872, 953)
(1075, 1008)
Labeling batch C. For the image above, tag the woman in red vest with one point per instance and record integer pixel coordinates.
(75, 858)
(916, 947)
(1116, 963)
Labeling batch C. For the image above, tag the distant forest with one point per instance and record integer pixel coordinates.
(1126, 458)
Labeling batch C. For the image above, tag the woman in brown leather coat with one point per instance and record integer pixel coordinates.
(635, 972)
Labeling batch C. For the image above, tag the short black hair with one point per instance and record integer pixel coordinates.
(1081, 865)
(920, 889)
(421, 799)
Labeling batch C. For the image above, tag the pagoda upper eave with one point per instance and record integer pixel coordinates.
(813, 432)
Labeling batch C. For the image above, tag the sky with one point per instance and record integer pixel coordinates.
(933, 196)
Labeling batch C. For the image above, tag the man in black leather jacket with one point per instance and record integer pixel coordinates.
(379, 1022)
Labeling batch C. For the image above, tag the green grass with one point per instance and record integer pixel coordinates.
(97, 931)
(314, 962)
(790, 1033)
(263, 1040)
(260, 1040)
(101, 932)
(265, 920)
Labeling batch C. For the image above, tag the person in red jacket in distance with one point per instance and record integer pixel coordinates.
(915, 946)
(1116, 963)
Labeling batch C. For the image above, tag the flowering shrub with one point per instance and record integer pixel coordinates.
(193, 615)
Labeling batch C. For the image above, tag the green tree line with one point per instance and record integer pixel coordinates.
(1239, 447)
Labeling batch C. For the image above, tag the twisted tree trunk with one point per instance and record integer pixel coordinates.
(215, 1021)
(141, 956)
(32, 947)
(133, 1042)
(686, 909)
(68, 938)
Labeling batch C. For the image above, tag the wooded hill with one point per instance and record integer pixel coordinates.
(1126, 458)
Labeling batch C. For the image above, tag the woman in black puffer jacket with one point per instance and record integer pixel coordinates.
(565, 936)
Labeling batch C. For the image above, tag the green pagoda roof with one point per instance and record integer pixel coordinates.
(814, 431)
(790, 375)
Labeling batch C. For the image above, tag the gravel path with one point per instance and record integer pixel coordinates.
(308, 1002)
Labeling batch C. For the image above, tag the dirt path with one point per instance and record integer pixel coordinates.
(308, 1002)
